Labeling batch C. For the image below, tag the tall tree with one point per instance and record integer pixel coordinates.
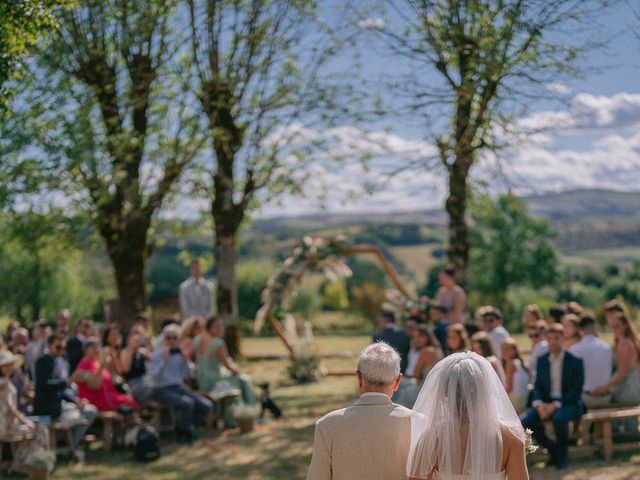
(112, 119)
(510, 247)
(480, 59)
(249, 83)
(22, 24)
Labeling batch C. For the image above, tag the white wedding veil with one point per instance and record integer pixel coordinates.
(463, 405)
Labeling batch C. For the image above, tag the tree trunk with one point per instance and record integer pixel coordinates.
(456, 206)
(129, 264)
(226, 292)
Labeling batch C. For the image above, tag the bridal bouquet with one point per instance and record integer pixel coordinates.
(529, 445)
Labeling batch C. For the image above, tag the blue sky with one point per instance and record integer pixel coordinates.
(593, 139)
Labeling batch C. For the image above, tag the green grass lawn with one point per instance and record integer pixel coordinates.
(282, 449)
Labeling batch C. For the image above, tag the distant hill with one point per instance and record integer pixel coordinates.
(581, 205)
(583, 219)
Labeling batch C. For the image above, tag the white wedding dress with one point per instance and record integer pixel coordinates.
(460, 414)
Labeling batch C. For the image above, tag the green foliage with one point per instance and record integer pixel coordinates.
(252, 278)
(335, 295)
(307, 301)
(22, 24)
(365, 271)
(42, 268)
(432, 284)
(395, 234)
(165, 273)
(368, 299)
(510, 247)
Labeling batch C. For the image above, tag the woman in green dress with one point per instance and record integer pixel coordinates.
(216, 370)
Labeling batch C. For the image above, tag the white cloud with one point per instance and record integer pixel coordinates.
(588, 112)
(372, 23)
(559, 88)
(607, 157)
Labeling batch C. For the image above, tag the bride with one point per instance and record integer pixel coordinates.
(468, 428)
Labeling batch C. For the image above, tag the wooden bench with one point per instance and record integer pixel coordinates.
(57, 430)
(13, 441)
(112, 428)
(602, 419)
(156, 415)
(221, 400)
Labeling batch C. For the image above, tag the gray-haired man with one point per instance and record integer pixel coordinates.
(370, 439)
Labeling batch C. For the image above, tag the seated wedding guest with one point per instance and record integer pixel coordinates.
(537, 335)
(133, 361)
(143, 327)
(346, 440)
(492, 324)
(75, 345)
(481, 344)
(557, 396)
(530, 315)
(571, 326)
(191, 328)
(516, 374)
(390, 333)
(452, 296)
(169, 370)
(215, 365)
(412, 323)
(438, 315)
(575, 308)
(612, 309)
(158, 342)
(412, 356)
(36, 348)
(54, 397)
(12, 326)
(19, 341)
(597, 358)
(111, 345)
(23, 386)
(95, 382)
(457, 338)
(12, 422)
(556, 312)
(63, 317)
(428, 355)
(625, 384)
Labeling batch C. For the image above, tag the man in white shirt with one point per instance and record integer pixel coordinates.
(492, 324)
(597, 357)
(556, 397)
(196, 294)
(369, 440)
(537, 334)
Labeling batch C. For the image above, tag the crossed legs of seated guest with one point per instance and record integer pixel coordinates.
(191, 409)
(560, 419)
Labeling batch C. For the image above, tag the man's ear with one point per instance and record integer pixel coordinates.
(396, 384)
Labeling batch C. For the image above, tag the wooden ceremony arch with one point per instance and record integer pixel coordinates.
(314, 253)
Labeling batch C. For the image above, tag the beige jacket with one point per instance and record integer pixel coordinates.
(368, 441)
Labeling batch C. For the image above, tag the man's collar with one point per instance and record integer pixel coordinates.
(373, 398)
(559, 356)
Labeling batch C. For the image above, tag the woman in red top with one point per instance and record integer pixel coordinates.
(95, 382)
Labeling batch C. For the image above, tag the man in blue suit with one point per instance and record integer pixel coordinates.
(556, 397)
(393, 335)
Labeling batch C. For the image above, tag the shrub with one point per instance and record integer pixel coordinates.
(368, 299)
(335, 295)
